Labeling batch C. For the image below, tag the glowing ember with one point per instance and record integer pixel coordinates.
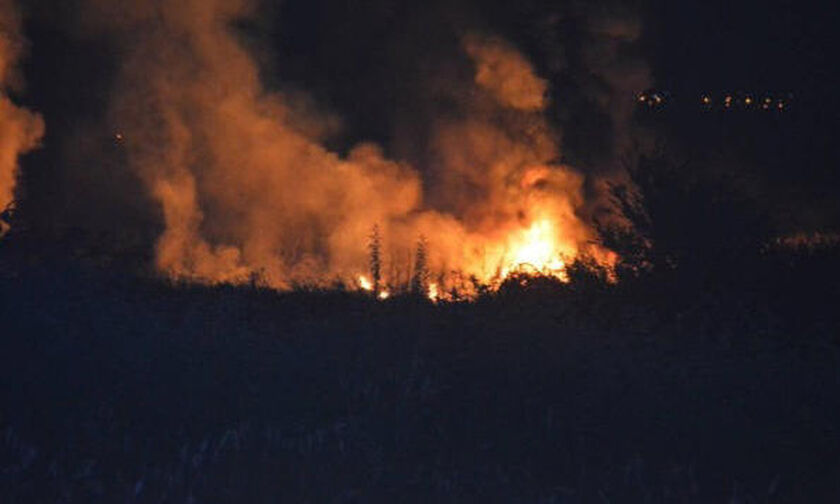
(384, 295)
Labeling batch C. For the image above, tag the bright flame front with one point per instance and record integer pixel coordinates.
(536, 248)
(364, 283)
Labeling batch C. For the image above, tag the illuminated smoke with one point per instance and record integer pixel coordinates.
(20, 130)
(246, 187)
(497, 160)
(505, 73)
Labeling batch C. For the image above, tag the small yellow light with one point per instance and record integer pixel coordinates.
(748, 100)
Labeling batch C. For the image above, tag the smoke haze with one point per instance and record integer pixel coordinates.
(278, 160)
(20, 129)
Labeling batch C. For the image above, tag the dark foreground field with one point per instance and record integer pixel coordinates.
(114, 389)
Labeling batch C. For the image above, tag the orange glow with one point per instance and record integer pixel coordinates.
(536, 248)
(364, 283)
(245, 180)
(433, 293)
(20, 129)
(383, 295)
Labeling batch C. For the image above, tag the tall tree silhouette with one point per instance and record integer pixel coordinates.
(421, 271)
(375, 249)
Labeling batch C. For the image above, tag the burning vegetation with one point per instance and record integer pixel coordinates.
(248, 189)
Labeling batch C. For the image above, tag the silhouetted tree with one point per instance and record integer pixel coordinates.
(375, 248)
(682, 218)
(419, 280)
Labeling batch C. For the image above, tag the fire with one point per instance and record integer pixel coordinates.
(245, 181)
(433, 293)
(364, 283)
(537, 248)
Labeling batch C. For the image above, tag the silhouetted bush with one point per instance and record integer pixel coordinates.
(683, 218)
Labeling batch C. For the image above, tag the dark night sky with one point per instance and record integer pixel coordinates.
(716, 44)
(364, 59)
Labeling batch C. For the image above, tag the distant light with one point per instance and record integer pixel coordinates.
(642, 98)
(118, 136)
(707, 100)
(748, 100)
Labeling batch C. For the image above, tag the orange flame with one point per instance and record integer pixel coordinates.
(245, 182)
(364, 283)
(537, 247)
(433, 293)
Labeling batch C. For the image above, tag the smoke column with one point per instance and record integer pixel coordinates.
(20, 130)
(498, 155)
(245, 184)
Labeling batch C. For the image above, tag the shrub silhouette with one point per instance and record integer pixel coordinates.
(683, 219)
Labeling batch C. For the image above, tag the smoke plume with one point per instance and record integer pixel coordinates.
(20, 130)
(245, 184)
